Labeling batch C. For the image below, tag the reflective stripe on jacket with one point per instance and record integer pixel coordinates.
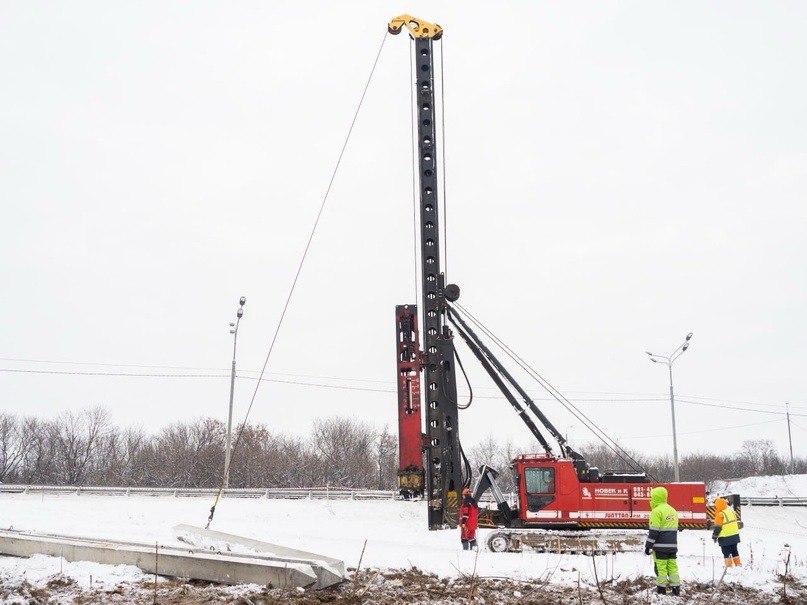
(727, 527)
(663, 534)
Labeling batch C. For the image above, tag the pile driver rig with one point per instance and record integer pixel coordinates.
(556, 490)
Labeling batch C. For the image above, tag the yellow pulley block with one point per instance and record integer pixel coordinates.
(417, 27)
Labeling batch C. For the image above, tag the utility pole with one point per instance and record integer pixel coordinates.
(675, 433)
(668, 361)
(228, 448)
(789, 437)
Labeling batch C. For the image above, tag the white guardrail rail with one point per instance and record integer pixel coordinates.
(311, 493)
(775, 501)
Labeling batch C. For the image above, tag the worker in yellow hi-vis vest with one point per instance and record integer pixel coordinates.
(727, 532)
(662, 542)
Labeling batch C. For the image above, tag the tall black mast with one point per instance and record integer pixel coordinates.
(444, 471)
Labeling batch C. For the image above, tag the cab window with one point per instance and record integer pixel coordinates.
(540, 487)
(540, 480)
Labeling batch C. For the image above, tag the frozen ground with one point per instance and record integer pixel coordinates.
(396, 539)
(782, 486)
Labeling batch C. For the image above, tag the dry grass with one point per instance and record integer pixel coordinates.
(410, 586)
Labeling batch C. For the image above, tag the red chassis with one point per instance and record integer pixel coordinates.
(551, 496)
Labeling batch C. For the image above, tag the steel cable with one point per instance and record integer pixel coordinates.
(299, 270)
(443, 153)
(467, 382)
(414, 169)
(570, 407)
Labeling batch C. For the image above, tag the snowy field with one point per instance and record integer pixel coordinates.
(395, 532)
(773, 486)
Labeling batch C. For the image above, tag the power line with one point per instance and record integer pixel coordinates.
(109, 365)
(734, 407)
(723, 428)
(801, 428)
(770, 405)
(281, 381)
(126, 374)
(359, 388)
(174, 367)
(624, 396)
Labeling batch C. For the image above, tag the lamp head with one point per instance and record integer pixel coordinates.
(654, 360)
(686, 346)
(689, 336)
(240, 312)
(649, 353)
(232, 331)
(243, 301)
(232, 325)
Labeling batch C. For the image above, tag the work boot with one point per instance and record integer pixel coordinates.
(661, 590)
(737, 562)
(676, 590)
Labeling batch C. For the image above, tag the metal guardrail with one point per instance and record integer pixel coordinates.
(776, 501)
(313, 493)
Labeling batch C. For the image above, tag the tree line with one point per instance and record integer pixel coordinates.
(86, 448)
(753, 458)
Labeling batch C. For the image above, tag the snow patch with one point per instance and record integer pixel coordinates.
(770, 486)
(396, 534)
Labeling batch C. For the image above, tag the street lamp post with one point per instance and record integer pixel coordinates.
(668, 360)
(228, 448)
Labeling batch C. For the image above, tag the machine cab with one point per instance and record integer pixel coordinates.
(542, 480)
(539, 487)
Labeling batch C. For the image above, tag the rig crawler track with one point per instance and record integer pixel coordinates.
(565, 542)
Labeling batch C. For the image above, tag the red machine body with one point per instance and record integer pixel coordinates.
(410, 431)
(550, 495)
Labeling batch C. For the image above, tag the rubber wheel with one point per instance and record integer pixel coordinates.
(498, 543)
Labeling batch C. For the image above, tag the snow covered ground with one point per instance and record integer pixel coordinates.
(396, 537)
(773, 486)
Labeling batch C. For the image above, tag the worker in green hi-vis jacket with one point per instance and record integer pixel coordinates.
(662, 542)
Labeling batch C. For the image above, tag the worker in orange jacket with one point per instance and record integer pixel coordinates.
(727, 532)
(469, 519)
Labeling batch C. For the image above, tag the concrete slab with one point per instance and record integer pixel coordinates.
(329, 570)
(161, 559)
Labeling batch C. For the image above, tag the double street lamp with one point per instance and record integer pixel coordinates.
(227, 451)
(668, 360)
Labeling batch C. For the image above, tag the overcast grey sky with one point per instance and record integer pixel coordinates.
(618, 174)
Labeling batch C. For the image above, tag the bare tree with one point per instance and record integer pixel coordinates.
(188, 454)
(76, 438)
(15, 442)
(84, 448)
(386, 451)
(41, 459)
(345, 446)
(499, 456)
